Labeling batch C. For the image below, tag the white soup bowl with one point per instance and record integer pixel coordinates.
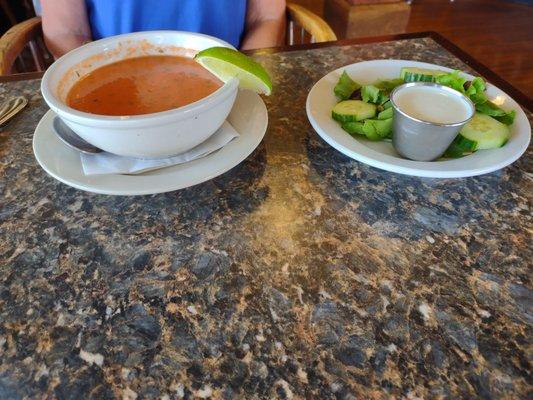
(154, 135)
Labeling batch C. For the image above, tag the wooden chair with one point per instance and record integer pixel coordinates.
(15, 40)
(305, 26)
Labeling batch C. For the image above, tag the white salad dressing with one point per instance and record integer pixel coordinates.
(432, 104)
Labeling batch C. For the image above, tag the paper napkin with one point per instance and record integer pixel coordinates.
(107, 163)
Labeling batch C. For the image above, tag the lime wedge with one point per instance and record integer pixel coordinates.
(227, 63)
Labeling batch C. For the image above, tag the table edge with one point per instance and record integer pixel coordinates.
(490, 75)
(24, 76)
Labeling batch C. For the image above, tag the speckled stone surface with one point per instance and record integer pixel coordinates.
(299, 274)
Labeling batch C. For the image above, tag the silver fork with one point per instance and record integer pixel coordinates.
(11, 108)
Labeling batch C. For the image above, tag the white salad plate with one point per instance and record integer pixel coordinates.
(248, 116)
(321, 100)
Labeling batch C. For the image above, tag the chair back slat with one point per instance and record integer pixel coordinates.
(312, 28)
(16, 39)
(37, 55)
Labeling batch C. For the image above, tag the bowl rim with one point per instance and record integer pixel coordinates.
(185, 111)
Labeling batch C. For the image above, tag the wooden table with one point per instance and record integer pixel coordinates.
(298, 274)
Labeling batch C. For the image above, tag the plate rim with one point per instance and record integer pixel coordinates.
(413, 168)
(90, 184)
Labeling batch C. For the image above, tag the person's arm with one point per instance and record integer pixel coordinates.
(265, 24)
(65, 25)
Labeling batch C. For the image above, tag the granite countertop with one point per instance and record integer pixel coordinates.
(299, 274)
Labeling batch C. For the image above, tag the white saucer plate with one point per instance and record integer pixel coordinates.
(382, 155)
(249, 117)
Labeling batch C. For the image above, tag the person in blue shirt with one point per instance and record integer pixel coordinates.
(246, 24)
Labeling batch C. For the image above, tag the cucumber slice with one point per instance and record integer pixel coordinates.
(487, 132)
(413, 74)
(352, 111)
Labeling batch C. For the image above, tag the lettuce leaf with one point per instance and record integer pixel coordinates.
(388, 85)
(345, 87)
(353, 128)
(378, 129)
(476, 91)
(373, 94)
(508, 118)
(378, 93)
(373, 129)
(453, 80)
(489, 108)
(386, 114)
(459, 147)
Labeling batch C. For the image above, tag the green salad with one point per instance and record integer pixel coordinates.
(366, 110)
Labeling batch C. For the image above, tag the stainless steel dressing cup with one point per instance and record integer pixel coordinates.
(421, 140)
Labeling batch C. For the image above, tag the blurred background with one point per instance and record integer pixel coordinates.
(498, 33)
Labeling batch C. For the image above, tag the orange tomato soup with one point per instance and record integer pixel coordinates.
(142, 85)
